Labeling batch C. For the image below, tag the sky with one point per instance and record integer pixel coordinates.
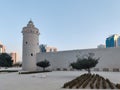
(65, 24)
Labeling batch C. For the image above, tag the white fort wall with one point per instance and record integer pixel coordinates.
(109, 58)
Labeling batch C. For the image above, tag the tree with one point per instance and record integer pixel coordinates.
(44, 64)
(6, 60)
(86, 62)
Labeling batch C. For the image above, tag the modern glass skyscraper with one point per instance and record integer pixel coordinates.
(118, 41)
(112, 41)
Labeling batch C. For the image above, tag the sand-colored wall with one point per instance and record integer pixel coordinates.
(109, 57)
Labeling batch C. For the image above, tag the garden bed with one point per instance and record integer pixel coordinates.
(90, 81)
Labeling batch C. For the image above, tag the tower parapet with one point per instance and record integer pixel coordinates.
(30, 28)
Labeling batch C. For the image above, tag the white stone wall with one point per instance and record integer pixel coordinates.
(109, 57)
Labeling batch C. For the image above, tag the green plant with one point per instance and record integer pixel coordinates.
(92, 81)
(98, 82)
(5, 60)
(87, 81)
(44, 64)
(81, 81)
(66, 85)
(118, 86)
(110, 84)
(104, 83)
(86, 63)
(73, 83)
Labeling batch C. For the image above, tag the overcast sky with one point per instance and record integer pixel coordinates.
(65, 24)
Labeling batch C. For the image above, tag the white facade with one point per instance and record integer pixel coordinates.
(101, 46)
(51, 49)
(30, 46)
(109, 58)
(2, 48)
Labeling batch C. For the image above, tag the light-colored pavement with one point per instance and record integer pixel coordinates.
(45, 81)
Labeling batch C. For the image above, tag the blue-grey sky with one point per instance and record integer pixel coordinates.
(65, 24)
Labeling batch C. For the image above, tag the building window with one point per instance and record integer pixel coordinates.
(37, 43)
(64, 69)
(50, 50)
(54, 50)
(96, 69)
(105, 69)
(58, 69)
(31, 54)
(115, 69)
(71, 69)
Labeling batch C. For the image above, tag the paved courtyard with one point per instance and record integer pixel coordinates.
(45, 81)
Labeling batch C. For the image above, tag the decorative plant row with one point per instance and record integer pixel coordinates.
(90, 81)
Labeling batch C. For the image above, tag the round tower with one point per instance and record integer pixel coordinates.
(30, 46)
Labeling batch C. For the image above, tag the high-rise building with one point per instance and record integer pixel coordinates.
(118, 41)
(2, 48)
(42, 48)
(14, 57)
(112, 41)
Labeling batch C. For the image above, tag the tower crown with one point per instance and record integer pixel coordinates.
(30, 24)
(30, 28)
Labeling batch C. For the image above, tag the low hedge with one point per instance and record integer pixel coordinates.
(32, 72)
(8, 71)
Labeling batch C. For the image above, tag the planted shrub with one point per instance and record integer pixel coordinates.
(70, 84)
(104, 83)
(98, 82)
(92, 82)
(118, 86)
(82, 81)
(94, 78)
(73, 83)
(91, 85)
(110, 84)
(66, 85)
(87, 81)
